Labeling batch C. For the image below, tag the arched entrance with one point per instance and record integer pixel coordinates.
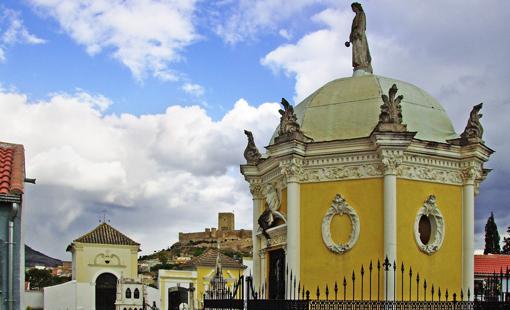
(176, 296)
(106, 290)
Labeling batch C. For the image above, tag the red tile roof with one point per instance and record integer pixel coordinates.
(12, 168)
(208, 259)
(488, 264)
(106, 234)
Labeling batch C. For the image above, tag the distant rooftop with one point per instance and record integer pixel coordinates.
(208, 259)
(492, 263)
(12, 168)
(106, 234)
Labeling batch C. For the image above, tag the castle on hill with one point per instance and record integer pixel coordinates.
(226, 234)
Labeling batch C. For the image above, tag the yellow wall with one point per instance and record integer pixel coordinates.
(204, 277)
(169, 278)
(320, 266)
(443, 268)
(89, 263)
(283, 203)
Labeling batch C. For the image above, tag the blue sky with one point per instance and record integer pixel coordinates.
(224, 70)
(137, 108)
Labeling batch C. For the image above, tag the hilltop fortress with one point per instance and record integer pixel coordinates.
(226, 234)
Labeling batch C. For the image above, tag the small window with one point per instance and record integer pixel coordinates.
(128, 293)
(424, 228)
(136, 293)
(125, 308)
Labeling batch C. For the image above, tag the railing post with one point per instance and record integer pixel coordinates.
(402, 269)
(370, 270)
(386, 265)
(410, 283)
(353, 286)
(378, 279)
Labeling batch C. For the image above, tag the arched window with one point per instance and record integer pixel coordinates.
(125, 308)
(136, 293)
(128, 293)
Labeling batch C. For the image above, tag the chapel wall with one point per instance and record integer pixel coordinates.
(319, 265)
(444, 267)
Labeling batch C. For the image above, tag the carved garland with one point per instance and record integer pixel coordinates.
(435, 216)
(340, 207)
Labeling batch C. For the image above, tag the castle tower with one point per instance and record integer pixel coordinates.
(226, 221)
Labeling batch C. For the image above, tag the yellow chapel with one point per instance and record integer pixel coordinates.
(366, 167)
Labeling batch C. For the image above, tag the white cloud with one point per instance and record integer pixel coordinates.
(13, 31)
(248, 18)
(284, 33)
(145, 171)
(146, 35)
(193, 89)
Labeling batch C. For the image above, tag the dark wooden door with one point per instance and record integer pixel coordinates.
(106, 291)
(176, 297)
(277, 274)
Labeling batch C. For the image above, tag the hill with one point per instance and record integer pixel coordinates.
(36, 258)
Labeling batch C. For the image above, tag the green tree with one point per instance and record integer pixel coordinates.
(163, 257)
(39, 278)
(491, 237)
(506, 243)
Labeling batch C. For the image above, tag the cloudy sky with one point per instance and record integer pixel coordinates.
(136, 108)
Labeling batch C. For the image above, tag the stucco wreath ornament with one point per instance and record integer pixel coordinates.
(436, 219)
(340, 207)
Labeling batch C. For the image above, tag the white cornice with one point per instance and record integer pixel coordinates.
(366, 158)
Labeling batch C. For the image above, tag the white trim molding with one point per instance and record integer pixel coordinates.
(431, 211)
(340, 207)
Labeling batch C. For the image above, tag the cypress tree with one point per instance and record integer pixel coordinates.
(491, 237)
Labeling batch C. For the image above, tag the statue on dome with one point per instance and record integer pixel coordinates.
(390, 118)
(474, 129)
(361, 59)
(251, 153)
(288, 119)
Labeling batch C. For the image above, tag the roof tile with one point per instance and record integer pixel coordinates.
(106, 234)
(12, 168)
(208, 259)
(492, 263)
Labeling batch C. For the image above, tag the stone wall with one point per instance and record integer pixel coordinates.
(214, 235)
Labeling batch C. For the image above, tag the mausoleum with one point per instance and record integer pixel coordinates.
(366, 167)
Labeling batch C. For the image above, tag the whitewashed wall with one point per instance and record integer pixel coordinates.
(153, 294)
(34, 299)
(64, 296)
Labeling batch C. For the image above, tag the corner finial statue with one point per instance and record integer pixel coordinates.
(361, 59)
(474, 129)
(251, 153)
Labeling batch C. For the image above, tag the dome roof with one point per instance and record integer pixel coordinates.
(349, 108)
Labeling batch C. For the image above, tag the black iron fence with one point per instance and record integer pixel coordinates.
(377, 285)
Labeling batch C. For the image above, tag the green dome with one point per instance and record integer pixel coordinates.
(349, 108)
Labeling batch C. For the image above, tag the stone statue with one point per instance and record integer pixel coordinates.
(474, 129)
(361, 59)
(289, 128)
(288, 119)
(267, 219)
(390, 118)
(251, 153)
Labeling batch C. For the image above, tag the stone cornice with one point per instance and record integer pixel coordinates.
(372, 157)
